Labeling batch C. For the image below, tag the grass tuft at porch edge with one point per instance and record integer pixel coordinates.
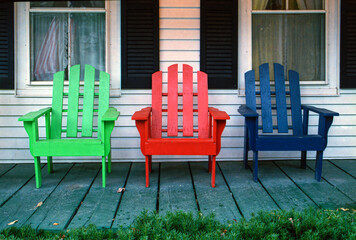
(308, 224)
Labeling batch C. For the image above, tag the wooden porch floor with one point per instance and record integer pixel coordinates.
(72, 196)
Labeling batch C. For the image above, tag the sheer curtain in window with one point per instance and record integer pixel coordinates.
(294, 40)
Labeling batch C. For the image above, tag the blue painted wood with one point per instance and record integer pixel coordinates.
(295, 102)
(281, 98)
(300, 140)
(266, 99)
(250, 89)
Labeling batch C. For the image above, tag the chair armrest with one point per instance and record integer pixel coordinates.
(143, 114)
(322, 111)
(110, 115)
(217, 114)
(246, 111)
(32, 116)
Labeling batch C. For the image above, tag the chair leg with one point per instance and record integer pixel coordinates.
(318, 165)
(245, 156)
(150, 163)
(147, 171)
(209, 164)
(38, 173)
(213, 172)
(103, 170)
(255, 166)
(303, 163)
(109, 162)
(49, 164)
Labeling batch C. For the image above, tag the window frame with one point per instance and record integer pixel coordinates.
(331, 85)
(27, 88)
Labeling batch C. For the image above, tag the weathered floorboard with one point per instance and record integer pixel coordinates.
(216, 200)
(24, 203)
(322, 193)
(99, 206)
(176, 190)
(250, 195)
(5, 167)
(14, 179)
(338, 178)
(286, 194)
(57, 210)
(137, 197)
(348, 166)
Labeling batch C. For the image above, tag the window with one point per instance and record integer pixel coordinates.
(66, 33)
(140, 43)
(218, 43)
(290, 32)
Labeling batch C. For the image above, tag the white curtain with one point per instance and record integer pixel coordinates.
(49, 42)
(309, 4)
(259, 4)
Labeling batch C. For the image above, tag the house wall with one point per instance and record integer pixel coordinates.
(179, 43)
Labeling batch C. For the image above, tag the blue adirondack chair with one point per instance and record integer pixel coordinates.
(269, 137)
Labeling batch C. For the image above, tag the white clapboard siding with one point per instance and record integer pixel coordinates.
(179, 43)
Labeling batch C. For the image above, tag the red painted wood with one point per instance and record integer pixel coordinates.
(157, 104)
(203, 105)
(211, 121)
(172, 119)
(187, 100)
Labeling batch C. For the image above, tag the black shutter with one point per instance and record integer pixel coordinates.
(348, 44)
(7, 45)
(218, 43)
(140, 43)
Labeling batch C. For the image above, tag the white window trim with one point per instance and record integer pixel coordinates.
(331, 85)
(24, 87)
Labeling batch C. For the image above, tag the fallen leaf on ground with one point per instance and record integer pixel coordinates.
(55, 224)
(12, 223)
(344, 209)
(121, 190)
(39, 204)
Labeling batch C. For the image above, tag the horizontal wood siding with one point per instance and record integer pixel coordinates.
(179, 43)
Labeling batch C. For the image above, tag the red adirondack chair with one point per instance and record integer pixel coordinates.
(205, 140)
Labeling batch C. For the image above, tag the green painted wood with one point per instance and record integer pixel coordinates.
(73, 101)
(216, 200)
(104, 95)
(348, 166)
(57, 105)
(13, 180)
(24, 202)
(176, 191)
(338, 178)
(250, 196)
(99, 206)
(286, 194)
(5, 167)
(322, 193)
(61, 205)
(88, 101)
(137, 197)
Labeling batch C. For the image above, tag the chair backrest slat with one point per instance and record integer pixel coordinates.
(172, 119)
(203, 125)
(73, 101)
(156, 131)
(250, 91)
(57, 105)
(295, 102)
(187, 100)
(88, 101)
(281, 98)
(104, 96)
(266, 99)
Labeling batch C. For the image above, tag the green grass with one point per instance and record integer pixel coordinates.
(309, 224)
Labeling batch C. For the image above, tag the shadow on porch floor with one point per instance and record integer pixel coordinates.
(72, 196)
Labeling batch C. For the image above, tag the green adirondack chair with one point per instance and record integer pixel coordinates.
(73, 145)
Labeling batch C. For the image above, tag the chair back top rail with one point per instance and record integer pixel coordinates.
(172, 103)
(73, 95)
(280, 96)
